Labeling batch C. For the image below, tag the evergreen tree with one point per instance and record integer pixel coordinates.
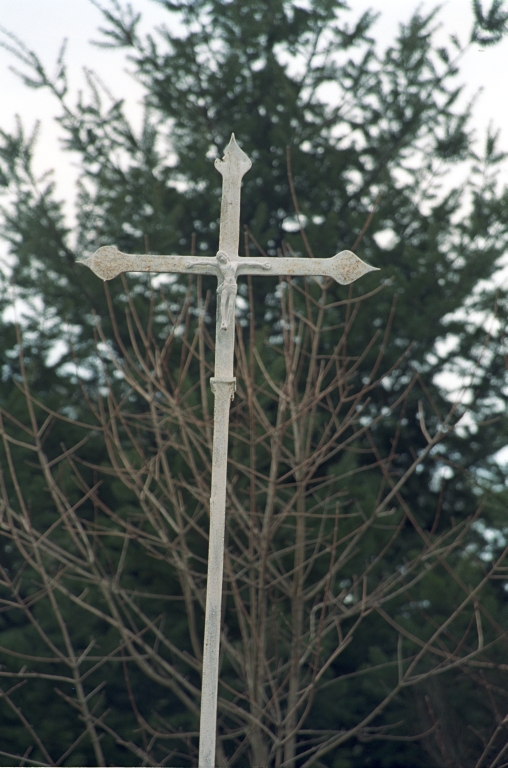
(349, 137)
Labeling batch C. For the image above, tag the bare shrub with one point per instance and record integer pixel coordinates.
(326, 560)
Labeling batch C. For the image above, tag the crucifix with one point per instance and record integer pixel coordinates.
(226, 265)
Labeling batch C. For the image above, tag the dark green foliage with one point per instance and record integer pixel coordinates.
(489, 27)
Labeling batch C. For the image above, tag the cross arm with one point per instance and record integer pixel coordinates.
(108, 262)
(344, 267)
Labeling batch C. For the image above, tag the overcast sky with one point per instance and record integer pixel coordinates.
(43, 24)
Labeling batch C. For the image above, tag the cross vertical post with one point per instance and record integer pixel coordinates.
(107, 263)
(232, 168)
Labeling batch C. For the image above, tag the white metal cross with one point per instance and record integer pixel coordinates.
(227, 265)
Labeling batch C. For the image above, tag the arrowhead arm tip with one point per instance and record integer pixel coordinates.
(348, 267)
(106, 262)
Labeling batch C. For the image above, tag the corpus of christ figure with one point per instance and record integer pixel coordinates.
(107, 263)
(228, 287)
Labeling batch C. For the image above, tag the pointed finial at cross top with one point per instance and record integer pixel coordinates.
(108, 262)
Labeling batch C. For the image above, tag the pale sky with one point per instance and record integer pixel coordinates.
(43, 24)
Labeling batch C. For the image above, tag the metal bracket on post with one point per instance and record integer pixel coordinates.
(230, 382)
